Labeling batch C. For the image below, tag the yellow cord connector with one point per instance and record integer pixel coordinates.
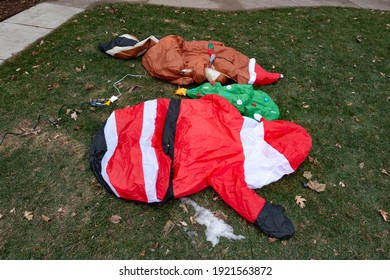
(181, 92)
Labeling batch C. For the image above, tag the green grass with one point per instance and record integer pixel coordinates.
(334, 60)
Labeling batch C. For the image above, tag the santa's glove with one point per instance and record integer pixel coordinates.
(274, 222)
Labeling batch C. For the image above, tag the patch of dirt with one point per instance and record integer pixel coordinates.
(8, 8)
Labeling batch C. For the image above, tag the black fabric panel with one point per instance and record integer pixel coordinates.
(274, 222)
(96, 153)
(168, 138)
(117, 42)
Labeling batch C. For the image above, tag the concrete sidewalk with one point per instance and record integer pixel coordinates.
(23, 29)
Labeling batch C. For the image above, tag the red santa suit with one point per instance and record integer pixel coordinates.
(170, 148)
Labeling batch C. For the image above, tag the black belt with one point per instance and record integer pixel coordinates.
(168, 140)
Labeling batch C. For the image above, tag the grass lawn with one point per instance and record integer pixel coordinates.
(336, 67)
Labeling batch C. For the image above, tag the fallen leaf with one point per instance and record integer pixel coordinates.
(220, 215)
(184, 224)
(338, 145)
(361, 165)
(74, 115)
(28, 215)
(89, 86)
(1, 216)
(45, 218)
(193, 220)
(169, 225)
(53, 86)
(383, 171)
(13, 211)
(135, 88)
(383, 214)
(341, 184)
(74, 214)
(271, 240)
(314, 160)
(183, 207)
(142, 254)
(61, 210)
(300, 201)
(307, 175)
(29, 131)
(115, 219)
(315, 186)
(284, 242)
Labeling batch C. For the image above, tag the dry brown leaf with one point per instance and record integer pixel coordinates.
(193, 220)
(383, 171)
(169, 225)
(134, 88)
(45, 218)
(115, 219)
(29, 131)
(74, 115)
(220, 215)
(383, 214)
(184, 224)
(142, 254)
(1, 216)
(271, 240)
(53, 86)
(313, 160)
(61, 210)
(300, 201)
(338, 145)
(182, 206)
(13, 211)
(284, 242)
(361, 165)
(315, 186)
(89, 86)
(28, 215)
(307, 175)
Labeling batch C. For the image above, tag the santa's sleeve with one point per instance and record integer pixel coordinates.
(233, 189)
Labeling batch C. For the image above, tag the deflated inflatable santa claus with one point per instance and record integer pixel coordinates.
(170, 148)
(181, 62)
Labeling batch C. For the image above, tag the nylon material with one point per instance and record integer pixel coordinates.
(134, 50)
(263, 164)
(236, 193)
(125, 167)
(149, 159)
(290, 139)
(111, 137)
(164, 161)
(252, 73)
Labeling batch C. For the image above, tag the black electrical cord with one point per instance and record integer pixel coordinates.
(52, 121)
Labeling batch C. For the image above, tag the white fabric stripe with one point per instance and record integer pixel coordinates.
(128, 36)
(111, 136)
(117, 49)
(252, 73)
(149, 158)
(263, 164)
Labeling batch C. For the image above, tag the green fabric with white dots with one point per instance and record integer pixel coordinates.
(251, 103)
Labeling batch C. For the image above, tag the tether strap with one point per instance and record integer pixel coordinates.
(168, 139)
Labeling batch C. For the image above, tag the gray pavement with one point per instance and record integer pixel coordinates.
(25, 28)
